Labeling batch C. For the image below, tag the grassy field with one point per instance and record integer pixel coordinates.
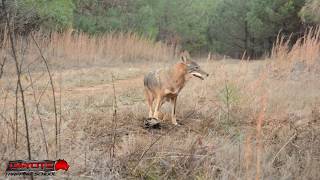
(248, 119)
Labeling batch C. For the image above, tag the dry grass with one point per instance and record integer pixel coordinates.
(268, 129)
(303, 55)
(121, 47)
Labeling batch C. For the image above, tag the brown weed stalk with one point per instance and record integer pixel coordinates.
(306, 50)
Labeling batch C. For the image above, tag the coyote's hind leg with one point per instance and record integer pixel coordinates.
(159, 102)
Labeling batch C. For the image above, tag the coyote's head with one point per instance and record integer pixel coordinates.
(193, 68)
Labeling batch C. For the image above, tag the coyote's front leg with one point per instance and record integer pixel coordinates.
(173, 113)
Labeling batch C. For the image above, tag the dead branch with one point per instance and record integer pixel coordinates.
(42, 93)
(10, 124)
(18, 72)
(16, 117)
(53, 91)
(60, 110)
(2, 66)
(114, 122)
(38, 114)
(285, 144)
(5, 100)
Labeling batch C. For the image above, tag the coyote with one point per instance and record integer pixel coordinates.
(165, 84)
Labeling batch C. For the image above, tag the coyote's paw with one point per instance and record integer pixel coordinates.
(151, 123)
(174, 122)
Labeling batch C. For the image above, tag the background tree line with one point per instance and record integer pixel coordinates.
(228, 27)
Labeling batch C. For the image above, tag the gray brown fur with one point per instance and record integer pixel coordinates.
(165, 85)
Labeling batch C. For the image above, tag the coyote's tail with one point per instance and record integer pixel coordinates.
(150, 80)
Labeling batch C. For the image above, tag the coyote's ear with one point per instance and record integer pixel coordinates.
(184, 59)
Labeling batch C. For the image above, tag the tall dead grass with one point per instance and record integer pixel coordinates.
(70, 48)
(109, 47)
(305, 51)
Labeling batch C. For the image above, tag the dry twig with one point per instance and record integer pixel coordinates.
(114, 122)
(38, 114)
(53, 92)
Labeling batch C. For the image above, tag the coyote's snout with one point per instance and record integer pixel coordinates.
(165, 84)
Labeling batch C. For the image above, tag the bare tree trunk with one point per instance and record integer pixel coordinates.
(18, 72)
(246, 38)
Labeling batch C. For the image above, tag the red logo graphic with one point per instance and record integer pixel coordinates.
(36, 167)
(61, 164)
